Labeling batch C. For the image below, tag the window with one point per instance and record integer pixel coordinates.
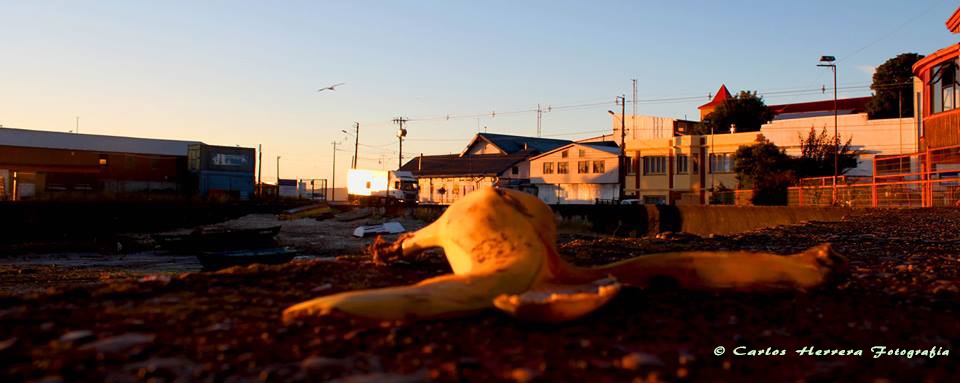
(563, 168)
(581, 153)
(598, 166)
(696, 164)
(683, 164)
(548, 168)
(654, 165)
(948, 98)
(565, 154)
(583, 167)
(943, 88)
(721, 163)
(634, 164)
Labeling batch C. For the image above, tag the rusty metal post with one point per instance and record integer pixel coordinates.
(800, 194)
(873, 184)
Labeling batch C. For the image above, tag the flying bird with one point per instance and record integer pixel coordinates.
(330, 87)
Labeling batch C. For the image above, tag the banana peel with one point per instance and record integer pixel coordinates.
(501, 245)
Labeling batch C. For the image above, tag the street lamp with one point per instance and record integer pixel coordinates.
(830, 62)
(353, 162)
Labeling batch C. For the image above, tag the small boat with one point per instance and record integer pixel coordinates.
(211, 239)
(217, 260)
(320, 210)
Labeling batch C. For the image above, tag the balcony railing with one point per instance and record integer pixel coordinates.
(942, 129)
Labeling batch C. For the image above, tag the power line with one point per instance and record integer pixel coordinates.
(776, 93)
(892, 31)
(660, 100)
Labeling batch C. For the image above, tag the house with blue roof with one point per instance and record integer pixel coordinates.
(488, 160)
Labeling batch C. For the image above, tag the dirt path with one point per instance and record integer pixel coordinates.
(23, 273)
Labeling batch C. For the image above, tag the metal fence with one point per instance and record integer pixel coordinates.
(926, 179)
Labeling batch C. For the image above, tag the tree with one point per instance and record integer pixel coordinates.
(893, 78)
(746, 110)
(767, 170)
(817, 152)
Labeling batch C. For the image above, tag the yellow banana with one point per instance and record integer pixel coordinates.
(501, 245)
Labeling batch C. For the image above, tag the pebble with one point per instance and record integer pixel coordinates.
(162, 278)
(120, 343)
(636, 360)
(664, 235)
(317, 365)
(523, 375)
(381, 377)
(181, 367)
(8, 343)
(77, 337)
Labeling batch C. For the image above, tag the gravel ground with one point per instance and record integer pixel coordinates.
(903, 292)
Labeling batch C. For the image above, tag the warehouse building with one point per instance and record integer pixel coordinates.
(44, 165)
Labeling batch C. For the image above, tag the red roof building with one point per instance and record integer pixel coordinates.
(722, 95)
(813, 108)
(938, 93)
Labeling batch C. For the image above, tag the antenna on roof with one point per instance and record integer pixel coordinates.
(77, 129)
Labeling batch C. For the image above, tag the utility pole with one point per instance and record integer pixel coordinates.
(400, 134)
(333, 183)
(539, 114)
(900, 118)
(712, 164)
(278, 177)
(621, 171)
(356, 144)
(634, 103)
(77, 126)
(259, 169)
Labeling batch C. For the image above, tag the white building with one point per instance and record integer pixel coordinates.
(891, 136)
(640, 127)
(577, 173)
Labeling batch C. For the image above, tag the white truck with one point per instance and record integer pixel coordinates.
(381, 186)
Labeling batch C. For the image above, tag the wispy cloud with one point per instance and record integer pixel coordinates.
(868, 69)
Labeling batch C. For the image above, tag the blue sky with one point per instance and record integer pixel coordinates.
(246, 73)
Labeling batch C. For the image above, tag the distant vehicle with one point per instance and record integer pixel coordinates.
(381, 186)
(631, 201)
